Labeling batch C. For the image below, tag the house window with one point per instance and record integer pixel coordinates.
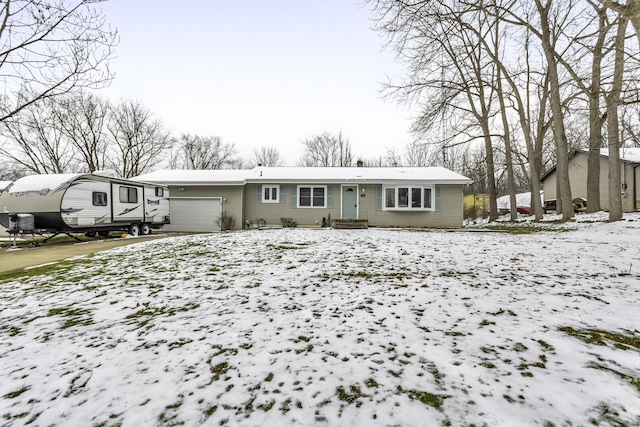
(427, 198)
(416, 197)
(390, 198)
(270, 194)
(128, 195)
(403, 197)
(408, 198)
(312, 197)
(99, 198)
(159, 192)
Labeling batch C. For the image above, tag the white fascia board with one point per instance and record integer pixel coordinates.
(353, 181)
(203, 183)
(424, 182)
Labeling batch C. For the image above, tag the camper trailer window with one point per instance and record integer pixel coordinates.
(159, 192)
(128, 195)
(99, 198)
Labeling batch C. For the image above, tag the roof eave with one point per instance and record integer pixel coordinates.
(201, 183)
(357, 181)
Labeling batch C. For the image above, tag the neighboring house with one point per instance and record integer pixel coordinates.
(384, 197)
(630, 177)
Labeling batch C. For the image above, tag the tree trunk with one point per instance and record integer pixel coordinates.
(593, 160)
(559, 135)
(613, 131)
(491, 173)
(507, 148)
(595, 119)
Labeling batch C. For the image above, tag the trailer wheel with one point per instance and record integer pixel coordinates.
(90, 234)
(145, 229)
(134, 229)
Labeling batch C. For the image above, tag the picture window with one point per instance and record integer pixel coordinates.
(408, 198)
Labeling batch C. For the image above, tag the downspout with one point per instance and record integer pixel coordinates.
(635, 187)
(243, 213)
(623, 182)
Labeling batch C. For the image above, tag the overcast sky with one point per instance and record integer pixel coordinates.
(259, 73)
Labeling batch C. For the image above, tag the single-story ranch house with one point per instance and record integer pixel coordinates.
(383, 197)
(629, 163)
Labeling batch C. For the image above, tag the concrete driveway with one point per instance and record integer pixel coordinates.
(25, 257)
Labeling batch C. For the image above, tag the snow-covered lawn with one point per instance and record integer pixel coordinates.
(331, 328)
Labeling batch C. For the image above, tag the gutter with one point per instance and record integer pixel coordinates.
(356, 181)
(198, 184)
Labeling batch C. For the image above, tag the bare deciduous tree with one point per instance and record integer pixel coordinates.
(138, 140)
(375, 162)
(10, 171)
(49, 47)
(630, 125)
(267, 156)
(613, 131)
(393, 158)
(206, 152)
(83, 120)
(449, 74)
(327, 150)
(458, 56)
(35, 142)
(417, 154)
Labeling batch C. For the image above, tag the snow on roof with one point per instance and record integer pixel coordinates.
(4, 184)
(218, 176)
(628, 154)
(41, 183)
(306, 174)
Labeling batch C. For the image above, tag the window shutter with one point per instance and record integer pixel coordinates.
(329, 196)
(282, 195)
(259, 193)
(294, 197)
(438, 199)
(378, 197)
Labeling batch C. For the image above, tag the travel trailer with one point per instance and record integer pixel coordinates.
(83, 203)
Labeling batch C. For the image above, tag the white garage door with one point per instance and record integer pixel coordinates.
(194, 215)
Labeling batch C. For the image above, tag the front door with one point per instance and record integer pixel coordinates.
(350, 202)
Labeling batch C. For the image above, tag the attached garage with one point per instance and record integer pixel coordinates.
(195, 214)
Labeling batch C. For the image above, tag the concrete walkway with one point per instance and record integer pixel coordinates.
(46, 253)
